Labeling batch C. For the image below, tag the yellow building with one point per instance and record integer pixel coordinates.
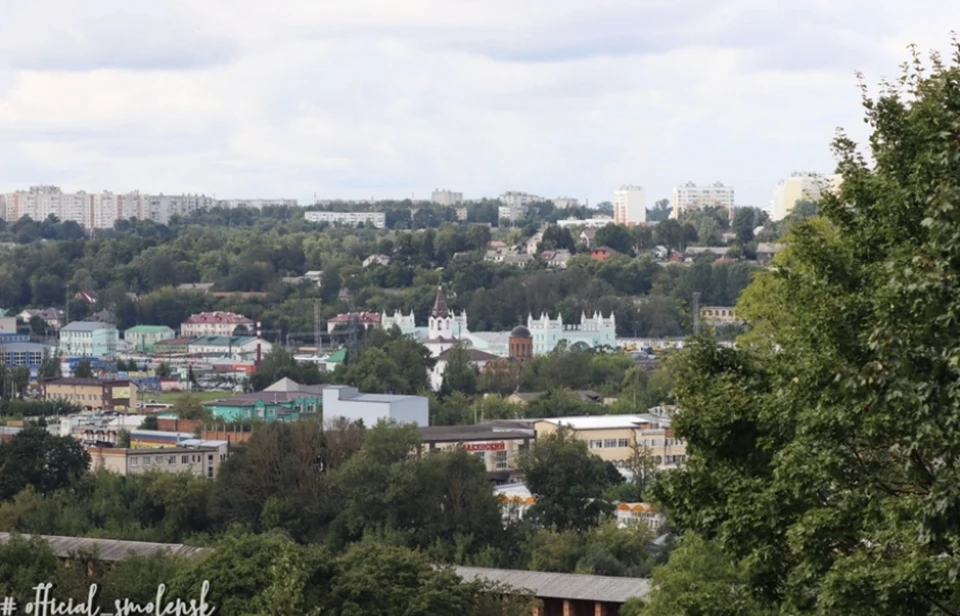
(92, 393)
(613, 437)
(498, 447)
(719, 315)
(199, 461)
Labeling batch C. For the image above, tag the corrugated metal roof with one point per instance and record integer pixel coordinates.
(112, 550)
(563, 585)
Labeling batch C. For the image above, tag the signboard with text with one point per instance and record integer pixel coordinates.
(121, 393)
(500, 446)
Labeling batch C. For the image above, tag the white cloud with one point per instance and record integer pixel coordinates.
(387, 97)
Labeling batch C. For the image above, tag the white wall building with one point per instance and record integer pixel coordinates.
(446, 197)
(377, 219)
(629, 205)
(690, 197)
(800, 187)
(349, 403)
(597, 222)
(515, 204)
(214, 324)
(257, 204)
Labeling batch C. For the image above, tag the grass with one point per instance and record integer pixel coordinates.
(169, 397)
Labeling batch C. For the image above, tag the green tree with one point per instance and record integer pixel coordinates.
(459, 374)
(50, 366)
(617, 237)
(821, 453)
(188, 406)
(36, 458)
(83, 370)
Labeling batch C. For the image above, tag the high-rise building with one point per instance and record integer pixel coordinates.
(446, 197)
(516, 204)
(690, 197)
(629, 206)
(800, 187)
(565, 202)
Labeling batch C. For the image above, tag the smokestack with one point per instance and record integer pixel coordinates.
(259, 352)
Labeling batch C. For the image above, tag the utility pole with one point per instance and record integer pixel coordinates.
(696, 314)
(352, 336)
(316, 325)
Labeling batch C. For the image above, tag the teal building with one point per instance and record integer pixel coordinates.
(285, 400)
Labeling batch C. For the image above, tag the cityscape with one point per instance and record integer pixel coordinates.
(479, 308)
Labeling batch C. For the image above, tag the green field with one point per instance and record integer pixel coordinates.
(169, 397)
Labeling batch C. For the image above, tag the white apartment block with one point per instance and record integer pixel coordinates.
(515, 204)
(446, 197)
(800, 187)
(691, 197)
(256, 204)
(377, 219)
(629, 205)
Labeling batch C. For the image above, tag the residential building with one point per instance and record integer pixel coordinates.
(801, 187)
(614, 437)
(365, 320)
(478, 359)
(446, 197)
(629, 205)
(341, 401)
(766, 252)
(214, 324)
(377, 219)
(377, 259)
(199, 461)
(53, 317)
(285, 400)
(597, 222)
(241, 347)
(89, 339)
(591, 333)
(719, 315)
(144, 337)
(91, 393)
(499, 446)
(690, 197)
(587, 236)
(462, 214)
(162, 208)
(516, 204)
(556, 258)
(564, 202)
(256, 204)
(88, 296)
(602, 253)
(8, 325)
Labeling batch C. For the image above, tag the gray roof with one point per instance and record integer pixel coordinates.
(111, 550)
(86, 326)
(563, 585)
(24, 347)
(455, 434)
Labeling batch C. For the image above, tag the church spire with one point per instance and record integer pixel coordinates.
(440, 305)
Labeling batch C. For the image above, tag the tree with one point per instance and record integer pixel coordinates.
(567, 482)
(163, 370)
(189, 406)
(744, 222)
(660, 211)
(150, 423)
(821, 453)
(459, 374)
(83, 370)
(36, 458)
(617, 237)
(50, 367)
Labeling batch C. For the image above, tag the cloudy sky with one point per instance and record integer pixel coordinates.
(388, 98)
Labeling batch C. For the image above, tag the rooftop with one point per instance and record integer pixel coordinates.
(563, 585)
(148, 329)
(85, 381)
(111, 550)
(607, 422)
(86, 326)
(223, 340)
(218, 317)
(474, 354)
(455, 434)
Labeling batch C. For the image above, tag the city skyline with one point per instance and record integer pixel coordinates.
(242, 100)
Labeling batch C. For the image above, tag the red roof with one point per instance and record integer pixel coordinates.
(218, 317)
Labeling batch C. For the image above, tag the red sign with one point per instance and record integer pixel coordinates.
(485, 446)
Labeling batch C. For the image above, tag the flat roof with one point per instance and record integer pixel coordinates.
(376, 398)
(563, 585)
(158, 451)
(111, 550)
(454, 434)
(601, 422)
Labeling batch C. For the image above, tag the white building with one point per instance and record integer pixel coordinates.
(515, 204)
(592, 332)
(629, 205)
(89, 339)
(444, 327)
(161, 208)
(690, 197)
(565, 202)
(598, 222)
(406, 322)
(477, 358)
(349, 403)
(257, 204)
(446, 197)
(800, 187)
(377, 219)
(214, 324)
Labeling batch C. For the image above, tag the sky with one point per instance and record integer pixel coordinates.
(360, 99)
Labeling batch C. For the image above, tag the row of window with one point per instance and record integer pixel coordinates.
(500, 458)
(80, 397)
(162, 460)
(610, 443)
(25, 359)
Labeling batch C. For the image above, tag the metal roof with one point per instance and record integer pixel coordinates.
(471, 433)
(111, 550)
(563, 585)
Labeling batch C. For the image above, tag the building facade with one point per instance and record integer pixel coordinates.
(144, 337)
(446, 197)
(691, 197)
(29, 354)
(405, 322)
(630, 205)
(340, 401)
(198, 461)
(800, 187)
(240, 346)
(377, 219)
(516, 204)
(92, 394)
(89, 339)
(591, 332)
(444, 326)
(500, 448)
(214, 324)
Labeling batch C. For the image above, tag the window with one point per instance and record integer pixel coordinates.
(610, 443)
(210, 472)
(158, 460)
(184, 459)
(146, 460)
(171, 459)
(482, 455)
(134, 461)
(210, 458)
(502, 461)
(595, 444)
(623, 443)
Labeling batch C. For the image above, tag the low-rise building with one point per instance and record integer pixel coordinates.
(91, 393)
(29, 354)
(173, 346)
(348, 403)
(498, 447)
(89, 339)
(377, 219)
(285, 400)
(719, 315)
(766, 252)
(477, 358)
(365, 320)
(53, 317)
(199, 461)
(214, 324)
(144, 337)
(229, 346)
(377, 259)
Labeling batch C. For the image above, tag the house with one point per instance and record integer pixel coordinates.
(86, 296)
(587, 236)
(661, 252)
(602, 253)
(365, 320)
(496, 245)
(229, 346)
(91, 393)
(144, 337)
(556, 258)
(695, 251)
(766, 252)
(314, 276)
(89, 339)
(533, 242)
(377, 259)
(329, 362)
(350, 404)
(520, 260)
(8, 325)
(285, 400)
(53, 317)
(214, 324)
(478, 359)
(103, 316)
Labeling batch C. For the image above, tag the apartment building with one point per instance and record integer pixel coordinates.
(629, 205)
(214, 324)
(613, 437)
(691, 197)
(804, 186)
(144, 337)
(92, 393)
(200, 461)
(446, 197)
(256, 204)
(377, 219)
(516, 204)
(89, 339)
